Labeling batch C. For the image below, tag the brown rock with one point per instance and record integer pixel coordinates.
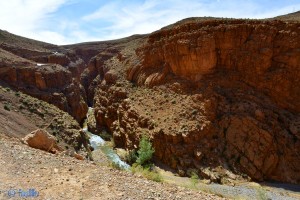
(111, 77)
(41, 139)
(78, 156)
(40, 81)
(259, 114)
(58, 58)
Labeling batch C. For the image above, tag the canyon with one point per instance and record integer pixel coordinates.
(217, 96)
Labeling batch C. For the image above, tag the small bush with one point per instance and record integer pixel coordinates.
(194, 178)
(6, 107)
(261, 194)
(146, 172)
(131, 157)
(21, 107)
(32, 109)
(17, 94)
(115, 166)
(145, 151)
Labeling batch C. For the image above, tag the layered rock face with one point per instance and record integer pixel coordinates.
(265, 54)
(49, 82)
(225, 99)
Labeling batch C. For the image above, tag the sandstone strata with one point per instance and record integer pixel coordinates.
(226, 99)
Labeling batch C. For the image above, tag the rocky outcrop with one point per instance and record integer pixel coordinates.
(58, 58)
(95, 71)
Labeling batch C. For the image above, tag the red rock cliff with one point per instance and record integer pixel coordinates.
(246, 119)
(264, 54)
(49, 82)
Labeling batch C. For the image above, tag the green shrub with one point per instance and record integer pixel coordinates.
(115, 166)
(261, 194)
(194, 178)
(131, 157)
(145, 151)
(6, 107)
(17, 94)
(21, 107)
(146, 172)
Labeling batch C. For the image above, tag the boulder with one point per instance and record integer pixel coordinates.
(111, 77)
(41, 139)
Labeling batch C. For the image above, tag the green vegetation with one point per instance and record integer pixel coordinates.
(7, 107)
(143, 159)
(131, 157)
(261, 194)
(146, 172)
(194, 178)
(17, 94)
(115, 165)
(105, 136)
(145, 151)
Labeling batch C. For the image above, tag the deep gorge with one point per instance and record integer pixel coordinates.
(218, 96)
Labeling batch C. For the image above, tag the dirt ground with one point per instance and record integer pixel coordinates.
(52, 176)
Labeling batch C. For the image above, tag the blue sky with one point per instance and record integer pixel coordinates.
(74, 21)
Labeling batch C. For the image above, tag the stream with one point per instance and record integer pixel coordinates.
(98, 143)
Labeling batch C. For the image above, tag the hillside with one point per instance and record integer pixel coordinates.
(290, 17)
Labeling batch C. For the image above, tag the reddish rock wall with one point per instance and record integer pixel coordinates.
(248, 70)
(51, 83)
(265, 54)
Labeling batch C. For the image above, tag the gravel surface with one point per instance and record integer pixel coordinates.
(248, 192)
(63, 177)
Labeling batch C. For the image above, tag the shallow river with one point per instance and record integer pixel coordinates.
(98, 143)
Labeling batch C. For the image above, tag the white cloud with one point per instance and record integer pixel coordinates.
(39, 19)
(152, 15)
(29, 18)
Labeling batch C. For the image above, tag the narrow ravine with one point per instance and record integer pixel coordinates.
(98, 143)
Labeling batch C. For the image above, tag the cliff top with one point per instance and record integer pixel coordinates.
(289, 17)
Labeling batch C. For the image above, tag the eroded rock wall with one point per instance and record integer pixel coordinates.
(51, 83)
(235, 103)
(264, 54)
